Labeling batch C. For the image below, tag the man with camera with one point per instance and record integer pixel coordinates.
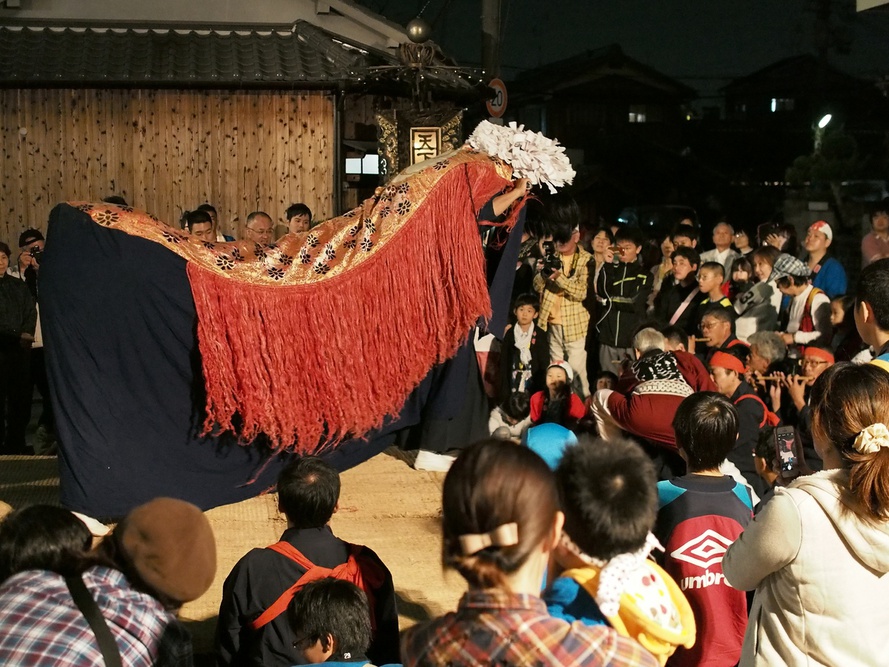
(561, 281)
(27, 269)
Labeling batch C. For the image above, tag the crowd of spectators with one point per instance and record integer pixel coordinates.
(581, 297)
(666, 437)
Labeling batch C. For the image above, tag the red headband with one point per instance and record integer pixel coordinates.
(819, 353)
(726, 360)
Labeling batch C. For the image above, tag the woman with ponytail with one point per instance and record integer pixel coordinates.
(501, 521)
(818, 554)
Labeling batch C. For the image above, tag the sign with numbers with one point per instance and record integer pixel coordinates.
(497, 104)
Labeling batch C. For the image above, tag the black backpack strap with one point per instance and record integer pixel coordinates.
(87, 605)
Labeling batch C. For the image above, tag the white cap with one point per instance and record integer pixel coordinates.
(561, 363)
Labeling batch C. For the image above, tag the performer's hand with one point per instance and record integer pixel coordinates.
(501, 203)
(26, 340)
(788, 338)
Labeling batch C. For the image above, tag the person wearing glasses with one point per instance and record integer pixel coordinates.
(792, 393)
(259, 228)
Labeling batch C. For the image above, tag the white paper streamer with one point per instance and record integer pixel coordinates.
(530, 154)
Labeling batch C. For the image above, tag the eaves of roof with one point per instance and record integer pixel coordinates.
(296, 56)
(585, 69)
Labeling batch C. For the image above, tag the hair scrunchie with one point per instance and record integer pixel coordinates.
(871, 439)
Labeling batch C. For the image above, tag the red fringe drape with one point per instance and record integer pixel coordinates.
(308, 365)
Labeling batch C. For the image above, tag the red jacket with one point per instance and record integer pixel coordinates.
(576, 408)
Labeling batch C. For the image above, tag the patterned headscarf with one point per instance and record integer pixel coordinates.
(657, 365)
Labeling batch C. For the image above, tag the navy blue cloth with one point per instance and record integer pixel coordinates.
(119, 326)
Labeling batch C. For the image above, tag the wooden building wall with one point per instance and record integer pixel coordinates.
(164, 151)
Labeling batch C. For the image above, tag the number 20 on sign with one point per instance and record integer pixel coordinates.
(497, 104)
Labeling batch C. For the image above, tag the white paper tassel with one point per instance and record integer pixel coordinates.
(530, 154)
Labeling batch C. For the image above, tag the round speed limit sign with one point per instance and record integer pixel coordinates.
(497, 104)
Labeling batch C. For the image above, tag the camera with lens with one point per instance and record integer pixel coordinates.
(37, 254)
(552, 262)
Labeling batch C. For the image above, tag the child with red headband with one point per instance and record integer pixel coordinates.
(727, 370)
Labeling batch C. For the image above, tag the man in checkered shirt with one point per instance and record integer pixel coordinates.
(562, 292)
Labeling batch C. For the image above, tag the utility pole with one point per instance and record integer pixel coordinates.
(491, 38)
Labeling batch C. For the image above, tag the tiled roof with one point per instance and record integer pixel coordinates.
(297, 55)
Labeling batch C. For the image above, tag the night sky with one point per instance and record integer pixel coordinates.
(704, 43)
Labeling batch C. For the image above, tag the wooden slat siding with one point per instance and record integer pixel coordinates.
(307, 182)
(21, 148)
(256, 163)
(164, 151)
(8, 155)
(271, 151)
(229, 185)
(291, 130)
(300, 157)
(281, 138)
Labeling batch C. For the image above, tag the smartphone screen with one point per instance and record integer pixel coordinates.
(784, 438)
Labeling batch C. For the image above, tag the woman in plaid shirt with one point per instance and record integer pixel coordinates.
(501, 521)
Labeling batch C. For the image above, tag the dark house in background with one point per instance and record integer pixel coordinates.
(771, 114)
(622, 122)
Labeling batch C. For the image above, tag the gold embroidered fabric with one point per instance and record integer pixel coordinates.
(322, 253)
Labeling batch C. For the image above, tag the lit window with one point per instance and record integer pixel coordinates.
(637, 113)
(368, 165)
(782, 104)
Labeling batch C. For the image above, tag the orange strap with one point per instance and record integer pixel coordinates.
(768, 416)
(351, 571)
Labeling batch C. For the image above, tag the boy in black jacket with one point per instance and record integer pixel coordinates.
(622, 293)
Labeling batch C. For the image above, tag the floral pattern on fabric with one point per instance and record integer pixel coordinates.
(324, 252)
